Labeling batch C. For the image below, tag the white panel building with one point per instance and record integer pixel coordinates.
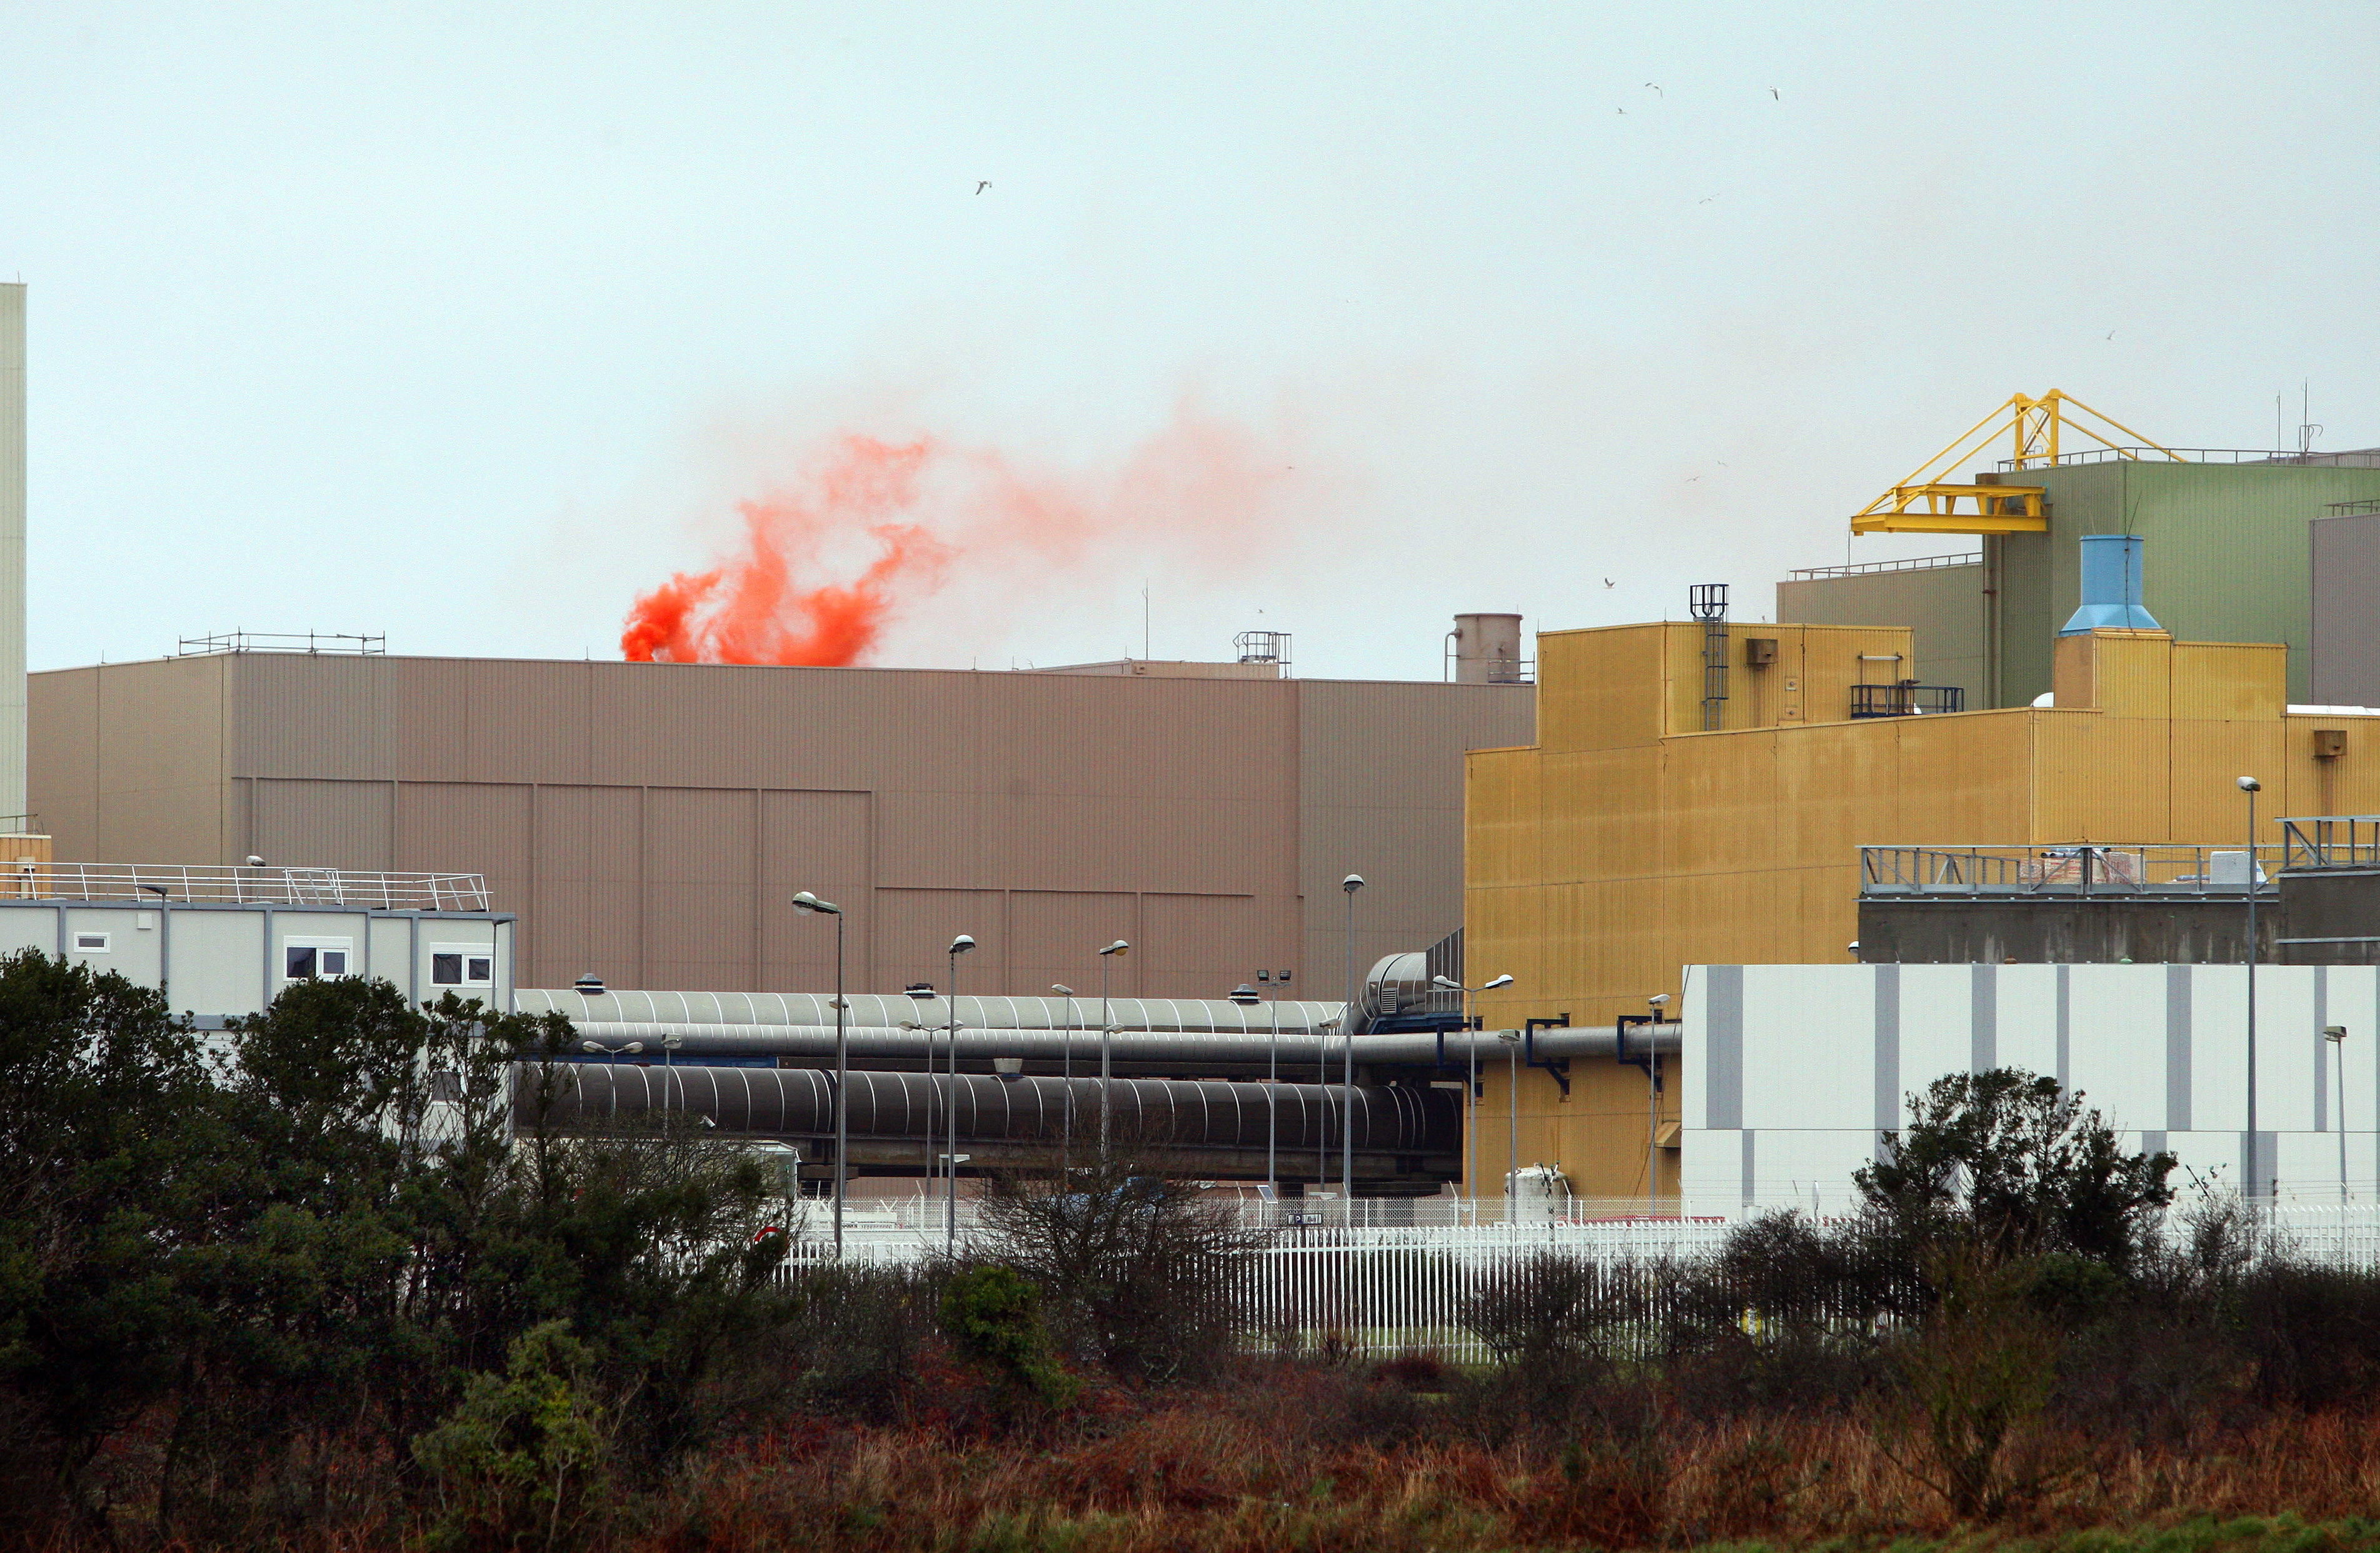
(1791, 1074)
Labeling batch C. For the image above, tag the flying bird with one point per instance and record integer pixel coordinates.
(1705, 202)
(1772, 92)
(981, 186)
(1607, 582)
(1656, 89)
(2111, 333)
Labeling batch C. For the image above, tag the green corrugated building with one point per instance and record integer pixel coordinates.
(2226, 560)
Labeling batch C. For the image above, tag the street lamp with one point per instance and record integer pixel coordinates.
(1244, 995)
(1107, 1039)
(1511, 1039)
(2337, 1036)
(1066, 1073)
(959, 946)
(2251, 786)
(1471, 1083)
(921, 993)
(810, 906)
(1352, 883)
(615, 1051)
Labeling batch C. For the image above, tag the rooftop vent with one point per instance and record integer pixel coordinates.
(2111, 587)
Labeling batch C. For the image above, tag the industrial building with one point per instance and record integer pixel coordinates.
(2229, 536)
(1792, 1073)
(648, 823)
(1632, 839)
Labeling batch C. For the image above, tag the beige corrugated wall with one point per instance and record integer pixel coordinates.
(650, 821)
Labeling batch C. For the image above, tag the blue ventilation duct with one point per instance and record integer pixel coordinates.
(2111, 587)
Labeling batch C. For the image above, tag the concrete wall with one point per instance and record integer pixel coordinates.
(12, 550)
(1792, 1072)
(650, 822)
(1943, 608)
(2344, 662)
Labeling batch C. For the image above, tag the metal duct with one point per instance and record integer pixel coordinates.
(815, 1043)
(1176, 1113)
(887, 1010)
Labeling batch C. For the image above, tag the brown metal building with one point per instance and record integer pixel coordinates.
(648, 822)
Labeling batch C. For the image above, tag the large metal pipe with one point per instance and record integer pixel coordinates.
(888, 1010)
(1168, 1114)
(1211, 1050)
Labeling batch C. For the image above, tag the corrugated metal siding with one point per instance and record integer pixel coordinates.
(2343, 655)
(1942, 606)
(2228, 555)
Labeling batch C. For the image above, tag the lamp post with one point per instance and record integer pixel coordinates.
(1658, 1002)
(1471, 1081)
(920, 994)
(959, 946)
(810, 906)
(1511, 1039)
(1066, 1074)
(1245, 996)
(614, 1052)
(1107, 1041)
(1273, 1097)
(1352, 883)
(2337, 1036)
(2251, 786)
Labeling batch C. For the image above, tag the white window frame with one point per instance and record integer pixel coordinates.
(322, 948)
(466, 953)
(106, 944)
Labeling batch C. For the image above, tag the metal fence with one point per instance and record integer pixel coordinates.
(215, 884)
(2082, 869)
(1380, 1290)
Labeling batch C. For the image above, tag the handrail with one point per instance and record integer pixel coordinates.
(1865, 569)
(2150, 869)
(220, 884)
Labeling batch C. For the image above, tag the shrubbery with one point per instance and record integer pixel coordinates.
(303, 1284)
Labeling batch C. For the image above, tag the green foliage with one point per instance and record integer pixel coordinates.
(226, 1268)
(2006, 1157)
(993, 1315)
(521, 1460)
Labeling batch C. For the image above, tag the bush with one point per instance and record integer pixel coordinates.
(993, 1315)
(521, 1462)
(1138, 1272)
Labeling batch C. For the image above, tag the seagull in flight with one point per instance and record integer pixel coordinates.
(1772, 92)
(1607, 582)
(2111, 333)
(1656, 89)
(1705, 202)
(984, 184)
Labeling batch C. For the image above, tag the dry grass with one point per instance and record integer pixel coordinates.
(1222, 1473)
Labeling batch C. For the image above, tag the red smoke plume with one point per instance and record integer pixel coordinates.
(910, 508)
(752, 609)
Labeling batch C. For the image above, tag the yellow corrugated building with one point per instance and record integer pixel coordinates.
(1627, 842)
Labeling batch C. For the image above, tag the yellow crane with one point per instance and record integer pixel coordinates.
(1927, 502)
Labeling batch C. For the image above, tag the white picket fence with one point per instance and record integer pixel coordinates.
(1380, 1290)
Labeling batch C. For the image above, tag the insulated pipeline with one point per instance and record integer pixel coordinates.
(781, 1010)
(799, 1102)
(815, 1043)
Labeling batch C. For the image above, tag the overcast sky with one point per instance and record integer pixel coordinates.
(467, 323)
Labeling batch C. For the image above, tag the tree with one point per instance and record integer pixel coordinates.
(110, 1148)
(2009, 1157)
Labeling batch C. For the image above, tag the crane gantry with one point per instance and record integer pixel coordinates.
(1927, 503)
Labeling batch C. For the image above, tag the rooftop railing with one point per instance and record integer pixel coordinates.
(1868, 568)
(2154, 871)
(2352, 459)
(215, 884)
(2333, 841)
(314, 642)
